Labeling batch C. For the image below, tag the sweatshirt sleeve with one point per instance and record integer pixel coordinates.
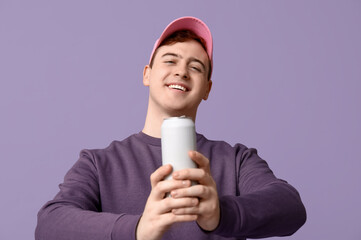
(264, 206)
(75, 212)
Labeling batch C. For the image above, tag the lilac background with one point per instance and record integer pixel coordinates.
(287, 79)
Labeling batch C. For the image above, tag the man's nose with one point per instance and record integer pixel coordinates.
(182, 71)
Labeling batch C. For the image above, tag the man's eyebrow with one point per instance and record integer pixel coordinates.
(192, 59)
(171, 54)
(198, 61)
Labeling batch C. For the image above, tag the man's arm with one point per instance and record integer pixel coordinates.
(208, 209)
(266, 206)
(75, 212)
(158, 215)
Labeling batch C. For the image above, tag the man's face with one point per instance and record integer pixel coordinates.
(178, 79)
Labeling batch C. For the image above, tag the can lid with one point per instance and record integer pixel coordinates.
(180, 117)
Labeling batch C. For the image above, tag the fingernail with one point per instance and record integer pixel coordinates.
(175, 174)
(173, 193)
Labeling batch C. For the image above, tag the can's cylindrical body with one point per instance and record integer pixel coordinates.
(178, 137)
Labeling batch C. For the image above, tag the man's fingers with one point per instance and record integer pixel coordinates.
(159, 174)
(186, 211)
(163, 187)
(199, 159)
(197, 191)
(194, 174)
(170, 203)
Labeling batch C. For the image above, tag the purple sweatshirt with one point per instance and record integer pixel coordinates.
(104, 194)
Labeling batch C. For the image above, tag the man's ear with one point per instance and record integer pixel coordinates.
(146, 75)
(208, 90)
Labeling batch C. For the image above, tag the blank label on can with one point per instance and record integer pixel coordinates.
(178, 138)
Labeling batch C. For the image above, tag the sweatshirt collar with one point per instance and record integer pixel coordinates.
(157, 141)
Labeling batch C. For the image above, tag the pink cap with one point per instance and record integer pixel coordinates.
(188, 23)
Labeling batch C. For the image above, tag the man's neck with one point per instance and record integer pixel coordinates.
(153, 124)
(154, 120)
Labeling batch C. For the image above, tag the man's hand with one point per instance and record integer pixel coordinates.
(158, 215)
(208, 210)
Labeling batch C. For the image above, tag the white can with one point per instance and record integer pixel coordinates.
(178, 138)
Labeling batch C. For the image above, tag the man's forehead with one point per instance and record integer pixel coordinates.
(189, 49)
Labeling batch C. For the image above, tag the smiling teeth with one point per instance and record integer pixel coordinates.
(178, 87)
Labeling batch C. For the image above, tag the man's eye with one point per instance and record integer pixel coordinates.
(196, 69)
(169, 61)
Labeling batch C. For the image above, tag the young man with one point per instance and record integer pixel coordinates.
(107, 194)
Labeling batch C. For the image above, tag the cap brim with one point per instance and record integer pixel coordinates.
(188, 23)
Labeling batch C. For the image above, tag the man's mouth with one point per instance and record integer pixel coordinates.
(178, 87)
